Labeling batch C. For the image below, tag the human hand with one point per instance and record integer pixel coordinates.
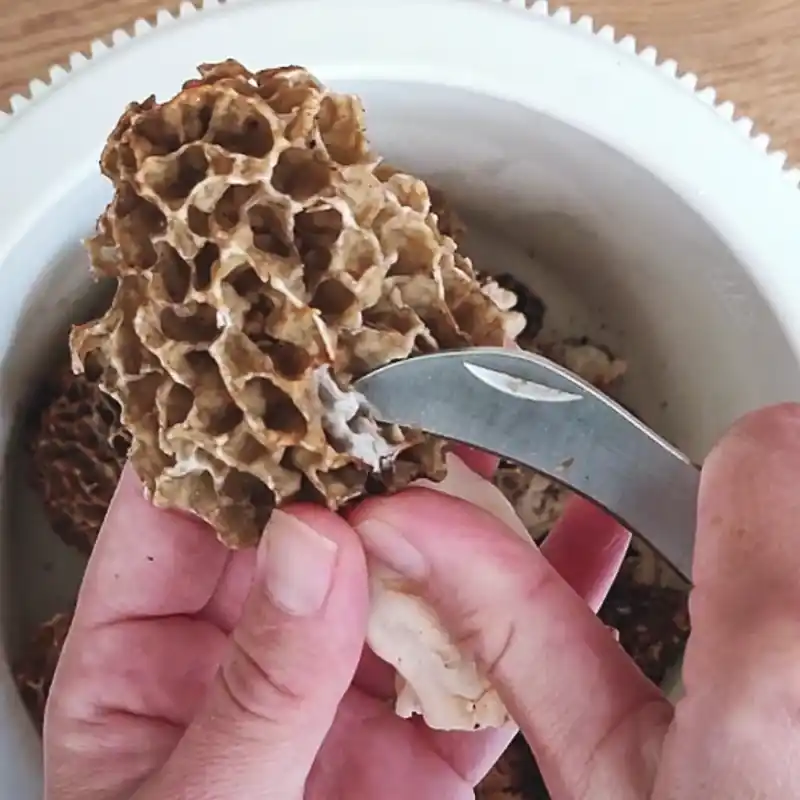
(184, 676)
(598, 728)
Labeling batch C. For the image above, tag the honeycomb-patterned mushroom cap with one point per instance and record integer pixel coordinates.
(263, 264)
(34, 670)
(78, 448)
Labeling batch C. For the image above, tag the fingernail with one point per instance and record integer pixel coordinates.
(297, 565)
(387, 544)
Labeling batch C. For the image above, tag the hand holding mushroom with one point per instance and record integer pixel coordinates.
(263, 258)
(194, 672)
(191, 671)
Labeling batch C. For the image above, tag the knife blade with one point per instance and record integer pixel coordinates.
(529, 410)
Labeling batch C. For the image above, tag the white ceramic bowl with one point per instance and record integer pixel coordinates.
(646, 218)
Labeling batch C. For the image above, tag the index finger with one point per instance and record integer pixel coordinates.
(590, 716)
(148, 562)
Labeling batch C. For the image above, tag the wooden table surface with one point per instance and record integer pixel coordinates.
(752, 58)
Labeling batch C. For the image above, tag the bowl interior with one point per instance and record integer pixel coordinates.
(614, 253)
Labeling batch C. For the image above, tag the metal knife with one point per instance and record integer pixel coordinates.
(527, 409)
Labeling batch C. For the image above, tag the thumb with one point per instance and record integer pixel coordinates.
(292, 658)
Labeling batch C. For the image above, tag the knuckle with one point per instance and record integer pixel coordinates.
(630, 744)
(492, 630)
(256, 687)
(490, 649)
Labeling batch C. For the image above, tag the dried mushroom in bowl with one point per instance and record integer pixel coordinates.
(78, 447)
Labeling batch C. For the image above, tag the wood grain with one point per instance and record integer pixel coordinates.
(752, 57)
